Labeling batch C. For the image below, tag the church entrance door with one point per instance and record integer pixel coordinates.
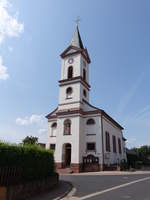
(67, 155)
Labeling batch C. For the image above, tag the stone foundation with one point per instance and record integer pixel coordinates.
(58, 166)
(78, 167)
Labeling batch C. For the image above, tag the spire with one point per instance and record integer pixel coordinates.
(76, 40)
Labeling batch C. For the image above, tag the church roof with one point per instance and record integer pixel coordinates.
(76, 40)
(95, 110)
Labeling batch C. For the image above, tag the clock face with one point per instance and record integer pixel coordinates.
(70, 60)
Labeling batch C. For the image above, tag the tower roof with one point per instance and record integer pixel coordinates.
(76, 40)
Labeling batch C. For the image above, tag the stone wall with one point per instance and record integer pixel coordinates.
(26, 190)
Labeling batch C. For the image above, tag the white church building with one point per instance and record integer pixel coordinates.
(82, 136)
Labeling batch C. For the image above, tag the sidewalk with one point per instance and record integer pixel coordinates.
(107, 173)
(56, 193)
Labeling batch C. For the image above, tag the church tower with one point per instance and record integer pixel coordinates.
(83, 137)
(74, 83)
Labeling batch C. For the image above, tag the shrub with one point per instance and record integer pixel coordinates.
(34, 161)
(123, 165)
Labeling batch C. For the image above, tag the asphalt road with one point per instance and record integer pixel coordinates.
(109, 187)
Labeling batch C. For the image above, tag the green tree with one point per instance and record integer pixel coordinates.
(144, 150)
(30, 140)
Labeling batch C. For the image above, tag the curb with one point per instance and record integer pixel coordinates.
(69, 191)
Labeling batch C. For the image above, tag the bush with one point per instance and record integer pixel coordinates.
(123, 165)
(34, 161)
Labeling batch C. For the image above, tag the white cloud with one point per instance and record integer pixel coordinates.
(3, 70)
(33, 119)
(9, 25)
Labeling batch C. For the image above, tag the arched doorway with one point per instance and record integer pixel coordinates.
(67, 155)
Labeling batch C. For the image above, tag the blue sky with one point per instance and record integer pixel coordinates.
(32, 36)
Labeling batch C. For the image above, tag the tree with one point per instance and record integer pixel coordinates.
(144, 150)
(30, 140)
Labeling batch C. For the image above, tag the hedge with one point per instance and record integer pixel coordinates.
(34, 161)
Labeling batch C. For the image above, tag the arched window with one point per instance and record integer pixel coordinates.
(53, 129)
(70, 72)
(84, 93)
(67, 127)
(107, 139)
(90, 121)
(54, 125)
(84, 74)
(69, 92)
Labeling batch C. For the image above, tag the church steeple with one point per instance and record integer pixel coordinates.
(76, 40)
(76, 46)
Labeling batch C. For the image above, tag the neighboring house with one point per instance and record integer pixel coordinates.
(83, 137)
(42, 145)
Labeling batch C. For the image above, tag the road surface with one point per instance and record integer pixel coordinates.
(110, 187)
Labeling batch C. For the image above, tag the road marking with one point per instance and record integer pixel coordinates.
(70, 195)
(113, 188)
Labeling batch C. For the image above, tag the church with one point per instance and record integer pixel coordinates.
(82, 136)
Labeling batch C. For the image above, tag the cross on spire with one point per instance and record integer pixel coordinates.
(77, 20)
(76, 40)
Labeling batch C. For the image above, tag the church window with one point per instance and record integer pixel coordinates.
(91, 146)
(107, 136)
(54, 125)
(70, 72)
(69, 92)
(114, 143)
(53, 129)
(119, 145)
(84, 74)
(52, 147)
(90, 122)
(67, 127)
(84, 93)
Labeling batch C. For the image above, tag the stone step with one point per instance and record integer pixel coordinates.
(65, 171)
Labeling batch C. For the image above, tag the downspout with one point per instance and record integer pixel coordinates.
(102, 167)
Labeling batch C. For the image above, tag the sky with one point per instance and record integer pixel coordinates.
(34, 33)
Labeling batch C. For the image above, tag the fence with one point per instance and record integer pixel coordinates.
(10, 176)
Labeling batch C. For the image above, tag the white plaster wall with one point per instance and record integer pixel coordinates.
(81, 93)
(77, 96)
(86, 107)
(73, 139)
(77, 67)
(79, 138)
(75, 93)
(75, 64)
(84, 138)
(51, 140)
(69, 106)
(111, 157)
